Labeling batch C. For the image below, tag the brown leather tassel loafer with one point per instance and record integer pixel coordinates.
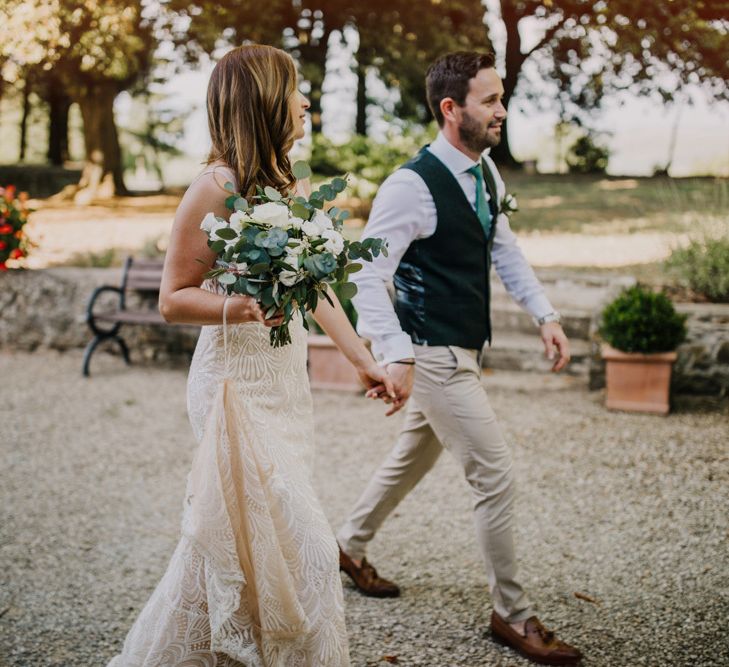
(366, 579)
(537, 643)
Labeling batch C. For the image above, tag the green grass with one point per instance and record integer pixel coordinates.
(595, 205)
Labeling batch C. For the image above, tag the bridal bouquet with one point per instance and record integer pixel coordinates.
(284, 250)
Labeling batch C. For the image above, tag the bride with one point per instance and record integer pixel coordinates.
(254, 579)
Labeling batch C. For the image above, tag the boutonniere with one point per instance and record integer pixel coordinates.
(509, 205)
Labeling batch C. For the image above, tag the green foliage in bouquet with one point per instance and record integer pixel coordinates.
(703, 266)
(640, 320)
(285, 250)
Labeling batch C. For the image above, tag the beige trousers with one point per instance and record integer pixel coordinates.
(449, 409)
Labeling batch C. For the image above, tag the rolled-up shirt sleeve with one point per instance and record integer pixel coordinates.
(400, 215)
(512, 267)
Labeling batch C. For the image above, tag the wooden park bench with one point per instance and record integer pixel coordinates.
(140, 275)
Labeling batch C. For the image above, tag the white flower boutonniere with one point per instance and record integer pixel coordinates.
(509, 205)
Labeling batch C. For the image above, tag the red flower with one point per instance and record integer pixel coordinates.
(3, 267)
(16, 254)
(6, 229)
(3, 245)
(10, 193)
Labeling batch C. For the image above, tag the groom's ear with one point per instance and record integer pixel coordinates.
(448, 109)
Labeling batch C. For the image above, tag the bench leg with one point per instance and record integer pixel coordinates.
(124, 349)
(94, 343)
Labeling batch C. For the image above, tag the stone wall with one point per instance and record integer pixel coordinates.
(702, 367)
(47, 309)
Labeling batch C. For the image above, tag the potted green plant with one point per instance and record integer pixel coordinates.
(641, 330)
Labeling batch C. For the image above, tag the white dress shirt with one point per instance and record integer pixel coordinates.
(404, 211)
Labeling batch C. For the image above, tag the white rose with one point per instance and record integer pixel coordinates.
(242, 267)
(271, 213)
(291, 256)
(335, 241)
(310, 228)
(295, 250)
(209, 221)
(238, 219)
(290, 278)
(323, 221)
(296, 222)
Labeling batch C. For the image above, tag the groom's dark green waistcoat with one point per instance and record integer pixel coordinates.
(442, 282)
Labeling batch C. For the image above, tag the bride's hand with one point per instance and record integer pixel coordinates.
(247, 309)
(377, 381)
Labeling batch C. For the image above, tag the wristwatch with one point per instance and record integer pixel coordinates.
(554, 316)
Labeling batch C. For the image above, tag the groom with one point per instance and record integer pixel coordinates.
(440, 214)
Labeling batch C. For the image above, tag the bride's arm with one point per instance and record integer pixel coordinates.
(181, 298)
(335, 323)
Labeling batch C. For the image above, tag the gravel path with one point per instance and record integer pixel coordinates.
(629, 511)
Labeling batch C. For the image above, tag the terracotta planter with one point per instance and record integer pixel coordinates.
(638, 382)
(329, 368)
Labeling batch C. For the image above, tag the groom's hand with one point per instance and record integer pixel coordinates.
(402, 376)
(554, 339)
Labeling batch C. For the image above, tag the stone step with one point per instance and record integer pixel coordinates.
(522, 352)
(508, 318)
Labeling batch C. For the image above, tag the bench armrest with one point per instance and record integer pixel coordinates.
(90, 319)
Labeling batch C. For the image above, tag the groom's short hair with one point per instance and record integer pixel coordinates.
(449, 76)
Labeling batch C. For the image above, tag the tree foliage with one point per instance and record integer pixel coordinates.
(589, 48)
(94, 49)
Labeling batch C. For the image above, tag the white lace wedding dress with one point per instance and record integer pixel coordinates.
(254, 580)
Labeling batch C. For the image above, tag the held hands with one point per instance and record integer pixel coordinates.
(553, 337)
(401, 377)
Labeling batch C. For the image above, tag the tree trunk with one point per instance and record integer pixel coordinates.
(314, 69)
(101, 177)
(24, 120)
(361, 121)
(59, 105)
(514, 59)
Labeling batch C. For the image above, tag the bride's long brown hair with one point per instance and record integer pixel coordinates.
(249, 116)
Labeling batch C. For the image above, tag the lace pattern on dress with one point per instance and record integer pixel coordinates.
(255, 579)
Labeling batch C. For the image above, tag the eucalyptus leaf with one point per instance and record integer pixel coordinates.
(347, 291)
(226, 233)
(272, 193)
(339, 185)
(300, 211)
(241, 204)
(226, 279)
(229, 187)
(301, 170)
(217, 246)
(230, 201)
(257, 269)
(354, 267)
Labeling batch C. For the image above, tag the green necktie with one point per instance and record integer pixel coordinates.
(482, 206)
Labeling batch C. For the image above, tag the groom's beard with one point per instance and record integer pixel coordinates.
(475, 136)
